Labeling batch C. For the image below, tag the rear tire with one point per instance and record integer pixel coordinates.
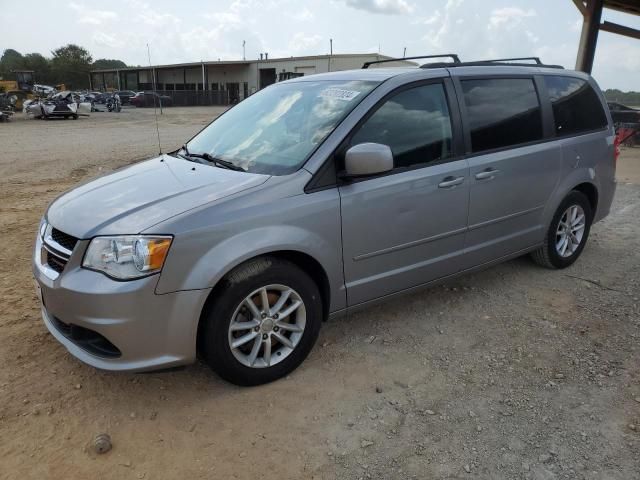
(567, 234)
(238, 312)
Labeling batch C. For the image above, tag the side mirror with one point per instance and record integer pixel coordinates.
(368, 159)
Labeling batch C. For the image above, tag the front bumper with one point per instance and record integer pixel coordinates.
(148, 331)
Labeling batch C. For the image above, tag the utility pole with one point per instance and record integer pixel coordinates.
(244, 57)
(404, 53)
(330, 52)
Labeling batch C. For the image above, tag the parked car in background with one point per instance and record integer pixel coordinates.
(150, 99)
(125, 96)
(623, 114)
(101, 97)
(315, 197)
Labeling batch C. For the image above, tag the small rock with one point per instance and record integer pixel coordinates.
(479, 428)
(525, 466)
(471, 413)
(142, 474)
(325, 344)
(559, 376)
(378, 389)
(243, 454)
(429, 412)
(401, 384)
(467, 468)
(78, 386)
(545, 458)
(102, 443)
(366, 443)
(132, 415)
(153, 415)
(632, 426)
(25, 401)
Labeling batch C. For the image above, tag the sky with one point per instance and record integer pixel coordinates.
(194, 30)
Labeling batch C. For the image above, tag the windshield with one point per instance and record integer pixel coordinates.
(275, 130)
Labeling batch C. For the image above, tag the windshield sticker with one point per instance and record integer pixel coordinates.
(339, 94)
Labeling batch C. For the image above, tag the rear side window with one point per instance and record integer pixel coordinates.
(414, 123)
(576, 107)
(502, 112)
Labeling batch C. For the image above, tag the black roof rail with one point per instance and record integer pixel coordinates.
(515, 59)
(498, 62)
(453, 56)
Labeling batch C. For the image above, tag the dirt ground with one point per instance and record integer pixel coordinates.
(517, 372)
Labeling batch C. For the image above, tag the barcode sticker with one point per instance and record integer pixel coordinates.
(339, 94)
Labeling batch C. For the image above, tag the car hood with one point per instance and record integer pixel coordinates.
(135, 198)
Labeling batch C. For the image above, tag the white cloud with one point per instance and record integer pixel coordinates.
(509, 17)
(301, 44)
(303, 15)
(92, 16)
(387, 7)
(430, 20)
(101, 38)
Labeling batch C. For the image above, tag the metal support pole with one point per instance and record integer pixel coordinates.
(589, 35)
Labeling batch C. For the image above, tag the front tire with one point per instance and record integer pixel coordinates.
(567, 234)
(263, 322)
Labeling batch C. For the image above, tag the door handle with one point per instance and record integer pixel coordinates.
(449, 182)
(487, 174)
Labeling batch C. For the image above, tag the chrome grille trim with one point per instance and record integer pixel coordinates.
(48, 240)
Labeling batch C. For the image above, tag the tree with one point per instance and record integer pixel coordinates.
(70, 65)
(10, 60)
(106, 63)
(41, 67)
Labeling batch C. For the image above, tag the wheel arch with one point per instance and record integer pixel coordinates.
(591, 192)
(302, 260)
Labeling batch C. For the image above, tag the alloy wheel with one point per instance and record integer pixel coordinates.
(267, 326)
(570, 231)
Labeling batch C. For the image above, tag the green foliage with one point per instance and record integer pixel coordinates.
(72, 63)
(10, 60)
(41, 67)
(626, 98)
(69, 64)
(105, 63)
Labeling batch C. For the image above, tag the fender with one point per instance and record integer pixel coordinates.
(200, 258)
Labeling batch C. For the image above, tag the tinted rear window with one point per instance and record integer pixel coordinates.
(576, 107)
(502, 112)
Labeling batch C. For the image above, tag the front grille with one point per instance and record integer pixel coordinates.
(87, 339)
(65, 240)
(56, 263)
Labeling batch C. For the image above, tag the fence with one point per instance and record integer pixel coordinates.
(184, 98)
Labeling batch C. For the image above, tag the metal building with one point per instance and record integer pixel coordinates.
(224, 82)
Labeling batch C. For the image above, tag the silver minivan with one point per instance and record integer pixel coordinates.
(317, 196)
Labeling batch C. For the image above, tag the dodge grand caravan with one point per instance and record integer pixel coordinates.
(319, 195)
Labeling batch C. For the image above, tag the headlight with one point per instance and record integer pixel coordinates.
(127, 257)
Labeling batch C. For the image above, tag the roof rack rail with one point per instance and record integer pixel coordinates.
(453, 56)
(513, 62)
(535, 59)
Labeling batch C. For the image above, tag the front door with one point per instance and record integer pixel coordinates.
(407, 227)
(513, 171)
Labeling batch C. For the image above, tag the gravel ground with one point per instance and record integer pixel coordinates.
(516, 372)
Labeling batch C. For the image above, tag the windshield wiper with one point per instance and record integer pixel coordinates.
(218, 162)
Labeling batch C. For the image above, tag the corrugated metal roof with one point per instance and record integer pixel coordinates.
(240, 62)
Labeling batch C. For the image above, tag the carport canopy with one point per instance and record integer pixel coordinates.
(592, 15)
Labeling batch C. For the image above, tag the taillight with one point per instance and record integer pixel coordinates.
(616, 150)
